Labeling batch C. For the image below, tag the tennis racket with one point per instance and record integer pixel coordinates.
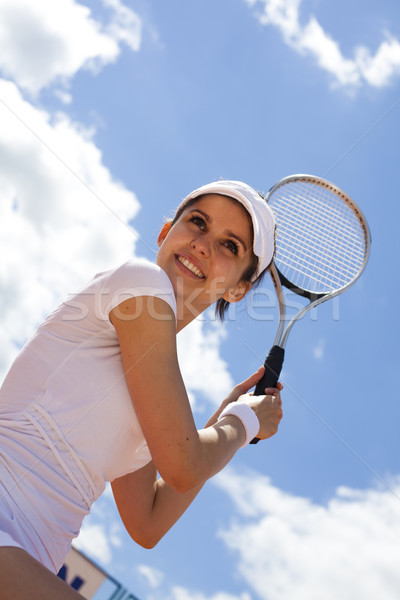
(322, 247)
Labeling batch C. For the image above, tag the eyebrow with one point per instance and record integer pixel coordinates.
(227, 232)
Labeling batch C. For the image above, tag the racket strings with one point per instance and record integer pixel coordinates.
(307, 211)
(316, 248)
(321, 221)
(320, 264)
(325, 263)
(320, 241)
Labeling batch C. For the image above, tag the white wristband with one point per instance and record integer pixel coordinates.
(247, 417)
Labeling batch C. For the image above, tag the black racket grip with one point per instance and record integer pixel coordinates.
(273, 366)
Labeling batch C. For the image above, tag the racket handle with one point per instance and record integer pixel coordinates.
(273, 366)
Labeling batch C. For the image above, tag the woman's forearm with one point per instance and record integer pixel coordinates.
(149, 507)
(212, 450)
(169, 506)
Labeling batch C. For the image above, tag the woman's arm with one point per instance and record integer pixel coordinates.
(149, 507)
(184, 457)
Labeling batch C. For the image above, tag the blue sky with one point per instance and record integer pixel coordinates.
(110, 114)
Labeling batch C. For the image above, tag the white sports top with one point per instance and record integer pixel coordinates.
(67, 423)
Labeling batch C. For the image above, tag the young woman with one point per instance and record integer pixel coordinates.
(96, 395)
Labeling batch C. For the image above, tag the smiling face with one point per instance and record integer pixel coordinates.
(206, 252)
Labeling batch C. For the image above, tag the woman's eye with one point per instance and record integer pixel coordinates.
(199, 221)
(232, 246)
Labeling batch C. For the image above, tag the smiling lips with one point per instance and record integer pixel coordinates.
(191, 267)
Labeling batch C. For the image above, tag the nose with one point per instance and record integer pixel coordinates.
(201, 245)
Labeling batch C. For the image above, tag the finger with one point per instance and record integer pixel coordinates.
(276, 397)
(271, 391)
(252, 380)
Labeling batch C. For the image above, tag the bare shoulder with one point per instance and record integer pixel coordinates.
(143, 323)
(142, 311)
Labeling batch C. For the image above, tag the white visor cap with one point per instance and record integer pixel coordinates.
(261, 215)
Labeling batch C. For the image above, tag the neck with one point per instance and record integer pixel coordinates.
(188, 309)
(185, 316)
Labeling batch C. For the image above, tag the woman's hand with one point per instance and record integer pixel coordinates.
(259, 404)
(268, 409)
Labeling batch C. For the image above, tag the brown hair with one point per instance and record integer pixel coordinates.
(222, 305)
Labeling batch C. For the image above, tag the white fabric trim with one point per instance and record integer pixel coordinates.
(247, 417)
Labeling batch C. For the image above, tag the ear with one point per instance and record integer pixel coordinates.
(238, 292)
(164, 232)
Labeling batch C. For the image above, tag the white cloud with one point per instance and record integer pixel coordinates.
(55, 233)
(153, 576)
(94, 541)
(290, 547)
(179, 593)
(64, 96)
(378, 70)
(311, 39)
(102, 530)
(203, 368)
(319, 350)
(98, 537)
(125, 25)
(48, 42)
(314, 40)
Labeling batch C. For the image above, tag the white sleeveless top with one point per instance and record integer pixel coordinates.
(67, 423)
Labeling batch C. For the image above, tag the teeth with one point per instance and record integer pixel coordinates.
(191, 267)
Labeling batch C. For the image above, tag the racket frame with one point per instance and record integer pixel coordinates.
(273, 362)
(280, 281)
